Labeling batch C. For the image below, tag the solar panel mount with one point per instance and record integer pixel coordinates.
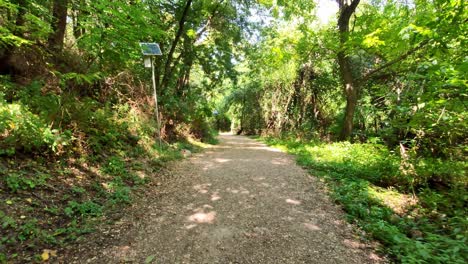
(150, 49)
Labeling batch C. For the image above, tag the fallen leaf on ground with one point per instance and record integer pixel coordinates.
(47, 253)
(149, 259)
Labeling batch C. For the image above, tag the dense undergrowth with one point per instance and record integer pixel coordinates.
(392, 199)
(69, 161)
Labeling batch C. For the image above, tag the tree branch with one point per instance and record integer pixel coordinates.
(346, 10)
(394, 61)
(209, 21)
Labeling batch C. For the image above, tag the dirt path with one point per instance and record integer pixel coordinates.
(239, 202)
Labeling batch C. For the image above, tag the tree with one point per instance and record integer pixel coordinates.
(59, 24)
(346, 10)
(168, 69)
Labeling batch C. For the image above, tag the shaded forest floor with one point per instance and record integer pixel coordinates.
(238, 202)
(48, 202)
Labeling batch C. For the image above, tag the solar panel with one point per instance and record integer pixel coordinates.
(150, 49)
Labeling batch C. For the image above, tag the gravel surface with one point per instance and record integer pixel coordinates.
(238, 202)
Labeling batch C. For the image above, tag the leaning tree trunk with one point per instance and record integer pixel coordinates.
(347, 8)
(59, 24)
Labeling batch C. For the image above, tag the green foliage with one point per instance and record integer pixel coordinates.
(243, 107)
(16, 181)
(6, 222)
(115, 166)
(84, 209)
(52, 210)
(407, 63)
(9, 39)
(22, 129)
(121, 194)
(28, 230)
(7, 36)
(78, 78)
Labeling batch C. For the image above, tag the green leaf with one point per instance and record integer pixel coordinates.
(150, 259)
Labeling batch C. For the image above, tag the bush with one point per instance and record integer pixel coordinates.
(17, 181)
(20, 129)
(84, 209)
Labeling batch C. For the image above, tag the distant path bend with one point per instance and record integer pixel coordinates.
(238, 202)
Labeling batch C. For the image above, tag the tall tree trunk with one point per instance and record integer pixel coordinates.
(351, 93)
(59, 24)
(167, 68)
(347, 8)
(186, 68)
(242, 121)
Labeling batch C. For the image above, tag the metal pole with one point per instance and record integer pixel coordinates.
(156, 102)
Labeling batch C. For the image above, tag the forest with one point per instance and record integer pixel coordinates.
(370, 96)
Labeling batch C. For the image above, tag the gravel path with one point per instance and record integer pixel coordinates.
(238, 202)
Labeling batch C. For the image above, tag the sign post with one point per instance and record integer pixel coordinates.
(150, 50)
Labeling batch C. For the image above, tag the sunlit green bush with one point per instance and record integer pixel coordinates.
(20, 129)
